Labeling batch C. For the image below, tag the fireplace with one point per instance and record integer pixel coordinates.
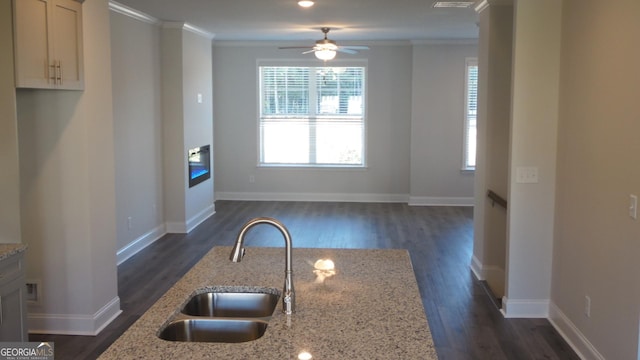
(199, 160)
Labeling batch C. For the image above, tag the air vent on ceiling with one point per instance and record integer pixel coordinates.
(453, 4)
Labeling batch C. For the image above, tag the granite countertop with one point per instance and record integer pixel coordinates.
(371, 309)
(7, 250)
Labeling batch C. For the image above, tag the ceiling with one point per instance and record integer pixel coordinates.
(280, 20)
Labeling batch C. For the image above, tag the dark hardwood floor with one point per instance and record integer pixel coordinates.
(464, 321)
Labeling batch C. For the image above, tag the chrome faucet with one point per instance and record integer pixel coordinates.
(288, 294)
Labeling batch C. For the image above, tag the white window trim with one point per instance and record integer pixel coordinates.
(465, 168)
(314, 63)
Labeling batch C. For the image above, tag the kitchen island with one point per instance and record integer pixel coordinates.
(370, 309)
(8, 250)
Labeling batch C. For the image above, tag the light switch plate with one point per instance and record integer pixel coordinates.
(633, 207)
(526, 174)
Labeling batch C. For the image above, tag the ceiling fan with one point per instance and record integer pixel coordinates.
(326, 48)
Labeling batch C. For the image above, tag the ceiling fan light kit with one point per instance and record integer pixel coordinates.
(326, 49)
(305, 3)
(325, 54)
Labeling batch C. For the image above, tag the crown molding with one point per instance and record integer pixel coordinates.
(187, 27)
(445, 42)
(139, 15)
(484, 4)
(132, 13)
(271, 43)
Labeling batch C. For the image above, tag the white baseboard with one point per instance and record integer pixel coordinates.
(190, 224)
(440, 201)
(493, 275)
(519, 308)
(476, 267)
(74, 324)
(572, 335)
(337, 197)
(140, 243)
(175, 227)
(170, 227)
(525, 308)
(496, 278)
(200, 217)
(485, 272)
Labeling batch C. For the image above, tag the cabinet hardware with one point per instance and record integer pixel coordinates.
(52, 72)
(59, 72)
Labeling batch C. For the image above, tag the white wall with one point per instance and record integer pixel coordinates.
(135, 61)
(437, 124)
(492, 172)
(198, 119)
(68, 194)
(10, 174)
(389, 127)
(534, 122)
(596, 248)
(156, 124)
(186, 72)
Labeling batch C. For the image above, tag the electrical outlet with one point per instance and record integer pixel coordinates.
(587, 306)
(34, 292)
(252, 179)
(129, 223)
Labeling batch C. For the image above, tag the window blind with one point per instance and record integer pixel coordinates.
(312, 116)
(471, 110)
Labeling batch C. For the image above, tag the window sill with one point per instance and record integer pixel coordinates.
(312, 167)
(468, 171)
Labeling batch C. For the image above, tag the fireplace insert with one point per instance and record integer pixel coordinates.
(199, 165)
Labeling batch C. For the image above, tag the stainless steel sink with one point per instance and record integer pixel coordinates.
(231, 304)
(214, 330)
(223, 314)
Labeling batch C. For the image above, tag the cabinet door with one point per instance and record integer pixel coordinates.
(67, 44)
(31, 19)
(48, 44)
(13, 325)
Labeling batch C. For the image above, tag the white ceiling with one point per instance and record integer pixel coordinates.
(278, 20)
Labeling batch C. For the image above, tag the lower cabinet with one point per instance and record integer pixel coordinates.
(13, 301)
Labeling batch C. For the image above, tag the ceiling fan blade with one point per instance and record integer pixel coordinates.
(346, 51)
(328, 44)
(355, 47)
(293, 47)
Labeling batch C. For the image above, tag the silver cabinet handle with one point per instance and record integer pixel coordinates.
(60, 72)
(52, 72)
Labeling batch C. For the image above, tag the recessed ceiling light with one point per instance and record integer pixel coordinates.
(305, 3)
(453, 4)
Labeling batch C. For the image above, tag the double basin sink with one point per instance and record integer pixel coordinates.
(227, 315)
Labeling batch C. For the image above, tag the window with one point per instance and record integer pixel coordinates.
(470, 114)
(312, 116)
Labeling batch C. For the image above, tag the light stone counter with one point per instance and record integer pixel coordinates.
(7, 250)
(371, 309)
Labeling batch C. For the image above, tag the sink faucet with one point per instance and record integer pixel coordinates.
(288, 294)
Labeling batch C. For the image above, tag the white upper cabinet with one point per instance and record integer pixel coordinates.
(48, 44)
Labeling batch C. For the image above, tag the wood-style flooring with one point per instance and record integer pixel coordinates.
(464, 321)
